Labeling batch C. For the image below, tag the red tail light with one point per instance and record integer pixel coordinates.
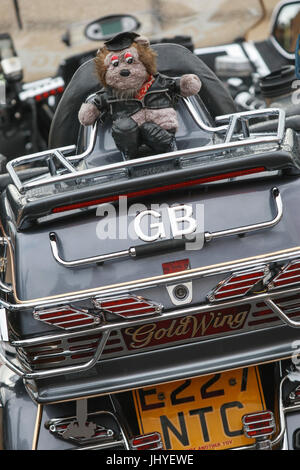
(147, 442)
(171, 187)
(289, 275)
(237, 284)
(129, 306)
(46, 94)
(66, 317)
(257, 425)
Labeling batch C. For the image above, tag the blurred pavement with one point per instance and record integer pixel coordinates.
(209, 23)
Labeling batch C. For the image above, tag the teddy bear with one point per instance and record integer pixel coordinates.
(139, 101)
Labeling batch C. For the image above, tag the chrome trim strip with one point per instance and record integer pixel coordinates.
(37, 426)
(130, 287)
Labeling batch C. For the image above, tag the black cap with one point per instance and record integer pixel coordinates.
(121, 41)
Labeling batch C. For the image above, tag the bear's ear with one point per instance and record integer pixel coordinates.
(102, 50)
(142, 40)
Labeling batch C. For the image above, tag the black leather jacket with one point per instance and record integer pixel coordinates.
(163, 93)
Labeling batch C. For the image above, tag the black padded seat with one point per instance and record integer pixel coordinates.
(172, 60)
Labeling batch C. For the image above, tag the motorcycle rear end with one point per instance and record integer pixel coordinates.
(151, 340)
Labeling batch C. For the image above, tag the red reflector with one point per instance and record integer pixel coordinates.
(146, 192)
(129, 306)
(38, 97)
(147, 442)
(237, 285)
(176, 266)
(261, 416)
(261, 424)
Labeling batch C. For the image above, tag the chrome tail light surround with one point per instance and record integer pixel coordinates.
(288, 275)
(66, 317)
(128, 306)
(239, 284)
(259, 425)
(152, 441)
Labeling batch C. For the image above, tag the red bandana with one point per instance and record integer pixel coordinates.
(144, 88)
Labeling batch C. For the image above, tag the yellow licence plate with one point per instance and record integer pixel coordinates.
(203, 413)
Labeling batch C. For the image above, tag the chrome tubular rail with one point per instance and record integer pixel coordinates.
(166, 245)
(133, 286)
(70, 173)
(85, 261)
(282, 315)
(243, 118)
(35, 157)
(251, 228)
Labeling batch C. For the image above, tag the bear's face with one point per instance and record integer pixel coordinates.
(127, 70)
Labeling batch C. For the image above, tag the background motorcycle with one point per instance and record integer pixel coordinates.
(26, 109)
(259, 74)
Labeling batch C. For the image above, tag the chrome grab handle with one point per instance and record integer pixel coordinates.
(209, 236)
(165, 245)
(132, 252)
(271, 304)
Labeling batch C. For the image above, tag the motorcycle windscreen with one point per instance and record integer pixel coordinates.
(203, 413)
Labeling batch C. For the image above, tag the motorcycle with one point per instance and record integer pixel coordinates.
(26, 109)
(258, 73)
(126, 321)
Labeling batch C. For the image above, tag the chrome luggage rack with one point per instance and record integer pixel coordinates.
(62, 166)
